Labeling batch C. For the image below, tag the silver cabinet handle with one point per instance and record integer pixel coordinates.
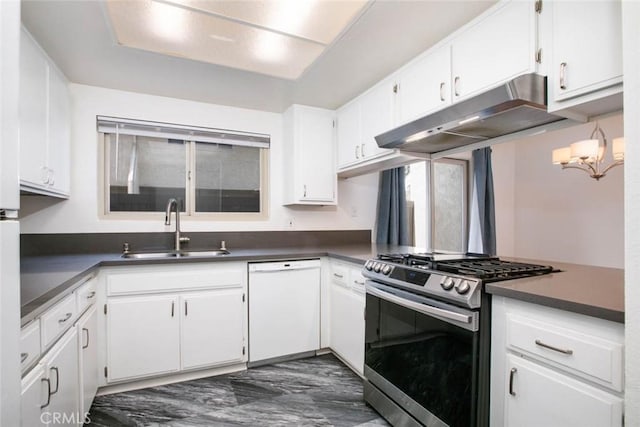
(511, 375)
(357, 151)
(304, 190)
(52, 177)
(362, 151)
(550, 347)
(563, 80)
(48, 392)
(186, 309)
(442, 91)
(23, 357)
(91, 294)
(44, 175)
(456, 85)
(339, 276)
(357, 282)
(65, 318)
(173, 304)
(87, 332)
(55, 368)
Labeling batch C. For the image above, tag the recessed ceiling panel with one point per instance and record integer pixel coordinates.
(317, 20)
(185, 30)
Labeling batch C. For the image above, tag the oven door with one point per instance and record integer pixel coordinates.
(423, 355)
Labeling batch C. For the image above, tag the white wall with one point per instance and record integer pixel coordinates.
(631, 55)
(558, 215)
(80, 213)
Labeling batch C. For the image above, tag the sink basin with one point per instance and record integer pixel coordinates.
(150, 255)
(173, 254)
(217, 252)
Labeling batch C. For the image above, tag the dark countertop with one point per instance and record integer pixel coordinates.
(593, 291)
(45, 280)
(583, 289)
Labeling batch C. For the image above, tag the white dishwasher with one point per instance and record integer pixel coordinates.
(284, 308)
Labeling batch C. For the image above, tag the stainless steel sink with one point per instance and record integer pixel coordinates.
(173, 254)
(217, 252)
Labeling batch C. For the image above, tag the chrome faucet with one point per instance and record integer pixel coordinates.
(172, 204)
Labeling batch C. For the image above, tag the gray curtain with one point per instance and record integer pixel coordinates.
(392, 227)
(483, 179)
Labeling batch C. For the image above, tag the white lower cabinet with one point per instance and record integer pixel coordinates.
(554, 368)
(164, 320)
(347, 314)
(88, 358)
(143, 336)
(34, 397)
(214, 317)
(61, 370)
(539, 396)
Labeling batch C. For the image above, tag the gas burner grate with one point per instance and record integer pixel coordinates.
(493, 269)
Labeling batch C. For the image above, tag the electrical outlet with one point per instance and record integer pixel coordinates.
(290, 222)
(354, 211)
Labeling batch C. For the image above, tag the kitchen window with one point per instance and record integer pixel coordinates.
(213, 173)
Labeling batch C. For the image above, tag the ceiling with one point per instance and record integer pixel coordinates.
(78, 36)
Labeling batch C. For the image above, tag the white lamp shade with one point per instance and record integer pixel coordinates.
(588, 149)
(561, 156)
(618, 148)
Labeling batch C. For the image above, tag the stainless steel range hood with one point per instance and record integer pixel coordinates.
(517, 105)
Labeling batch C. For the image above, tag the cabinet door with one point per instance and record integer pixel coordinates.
(348, 134)
(88, 356)
(59, 134)
(496, 49)
(587, 47)
(34, 396)
(315, 161)
(142, 336)
(212, 328)
(347, 326)
(34, 81)
(62, 370)
(425, 85)
(377, 115)
(541, 397)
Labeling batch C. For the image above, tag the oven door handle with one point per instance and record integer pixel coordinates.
(422, 308)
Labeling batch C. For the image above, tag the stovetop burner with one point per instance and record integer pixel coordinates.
(487, 268)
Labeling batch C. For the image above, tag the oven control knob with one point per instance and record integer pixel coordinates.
(369, 265)
(463, 287)
(377, 267)
(447, 283)
(386, 269)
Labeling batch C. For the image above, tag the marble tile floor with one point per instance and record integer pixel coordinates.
(318, 391)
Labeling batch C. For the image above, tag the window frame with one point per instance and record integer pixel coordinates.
(189, 214)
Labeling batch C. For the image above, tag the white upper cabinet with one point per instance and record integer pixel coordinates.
(497, 48)
(377, 115)
(348, 118)
(310, 156)
(44, 123)
(586, 44)
(425, 85)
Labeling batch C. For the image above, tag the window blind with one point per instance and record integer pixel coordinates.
(121, 126)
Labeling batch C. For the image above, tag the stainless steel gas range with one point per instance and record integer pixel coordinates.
(427, 336)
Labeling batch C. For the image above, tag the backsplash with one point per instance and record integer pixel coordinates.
(74, 243)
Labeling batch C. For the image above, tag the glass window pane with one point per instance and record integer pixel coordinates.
(145, 172)
(227, 178)
(449, 207)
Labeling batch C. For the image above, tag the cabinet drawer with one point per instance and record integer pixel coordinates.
(588, 356)
(29, 344)
(86, 295)
(340, 274)
(57, 319)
